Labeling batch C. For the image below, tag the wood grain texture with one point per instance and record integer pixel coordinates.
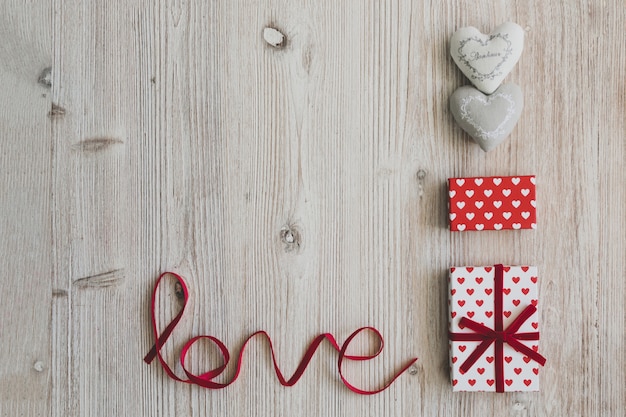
(25, 223)
(299, 189)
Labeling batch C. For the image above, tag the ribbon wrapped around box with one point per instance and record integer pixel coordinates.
(493, 324)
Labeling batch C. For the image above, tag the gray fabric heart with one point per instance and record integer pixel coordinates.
(489, 119)
(487, 59)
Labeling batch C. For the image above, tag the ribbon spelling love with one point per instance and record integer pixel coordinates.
(206, 379)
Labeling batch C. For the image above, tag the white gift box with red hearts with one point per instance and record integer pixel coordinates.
(472, 294)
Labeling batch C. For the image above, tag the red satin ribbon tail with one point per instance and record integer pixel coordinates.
(150, 355)
(525, 350)
(475, 355)
(161, 340)
(521, 319)
(342, 356)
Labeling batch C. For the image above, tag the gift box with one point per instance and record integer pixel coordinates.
(494, 328)
(492, 203)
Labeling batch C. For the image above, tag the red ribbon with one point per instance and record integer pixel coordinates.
(206, 379)
(498, 335)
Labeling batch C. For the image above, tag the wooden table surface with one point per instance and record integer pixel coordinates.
(299, 190)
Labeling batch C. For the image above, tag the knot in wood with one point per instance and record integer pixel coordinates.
(274, 37)
(291, 238)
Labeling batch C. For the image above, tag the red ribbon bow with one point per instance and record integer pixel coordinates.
(498, 335)
(206, 379)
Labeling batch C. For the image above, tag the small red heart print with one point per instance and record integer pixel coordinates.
(508, 359)
(488, 268)
(454, 359)
(479, 280)
(525, 268)
(517, 370)
(462, 348)
(472, 382)
(516, 302)
(507, 314)
(469, 269)
(490, 359)
(536, 371)
(535, 324)
(490, 382)
(526, 359)
(488, 291)
(460, 280)
(528, 382)
(481, 370)
(525, 291)
(508, 382)
(452, 269)
(479, 302)
(470, 314)
(461, 302)
(470, 291)
(453, 314)
(533, 279)
(515, 279)
(453, 291)
(506, 268)
(488, 314)
(536, 348)
(455, 381)
(507, 291)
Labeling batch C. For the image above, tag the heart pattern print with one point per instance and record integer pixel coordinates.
(471, 294)
(492, 203)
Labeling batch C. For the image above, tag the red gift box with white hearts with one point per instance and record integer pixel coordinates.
(492, 203)
(494, 328)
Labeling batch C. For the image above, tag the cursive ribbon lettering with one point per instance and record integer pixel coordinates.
(206, 379)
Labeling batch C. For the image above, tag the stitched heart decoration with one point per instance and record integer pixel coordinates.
(488, 119)
(487, 59)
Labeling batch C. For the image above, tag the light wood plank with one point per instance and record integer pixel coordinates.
(94, 209)
(25, 226)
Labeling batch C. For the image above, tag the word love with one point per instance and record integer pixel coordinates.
(207, 379)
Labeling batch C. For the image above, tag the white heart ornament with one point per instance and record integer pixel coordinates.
(487, 59)
(488, 119)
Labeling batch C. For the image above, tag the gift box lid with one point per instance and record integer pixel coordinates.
(492, 203)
